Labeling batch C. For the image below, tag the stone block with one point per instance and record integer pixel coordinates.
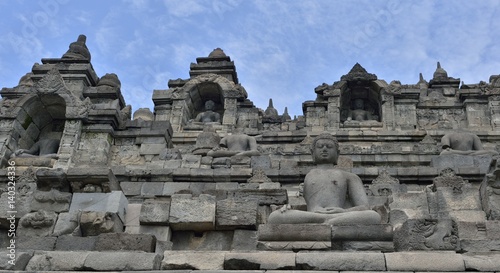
(35, 243)
(162, 233)
(197, 188)
(58, 261)
(20, 262)
(192, 213)
(172, 164)
(103, 178)
(481, 261)
(244, 240)
(121, 261)
(131, 188)
(132, 215)
(424, 261)
(295, 245)
(75, 243)
(40, 223)
(171, 188)
(202, 241)
(457, 161)
(48, 179)
(295, 232)
(67, 223)
(353, 261)
(226, 186)
(114, 202)
(191, 161)
(151, 149)
(240, 161)
(155, 212)
(236, 213)
(203, 260)
(448, 200)
(261, 161)
(125, 241)
(382, 246)
(382, 232)
(152, 189)
(268, 260)
(264, 197)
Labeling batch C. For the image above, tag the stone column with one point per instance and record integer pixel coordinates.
(494, 107)
(178, 114)
(230, 111)
(333, 110)
(388, 111)
(163, 112)
(7, 142)
(406, 111)
(69, 143)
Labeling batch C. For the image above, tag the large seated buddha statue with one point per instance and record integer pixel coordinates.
(463, 143)
(333, 196)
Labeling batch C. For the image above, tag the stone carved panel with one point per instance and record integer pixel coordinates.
(426, 234)
(431, 119)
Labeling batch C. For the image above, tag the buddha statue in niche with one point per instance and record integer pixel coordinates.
(328, 192)
(46, 148)
(208, 116)
(359, 113)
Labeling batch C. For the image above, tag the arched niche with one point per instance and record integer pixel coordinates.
(203, 92)
(368, 92)
(40, 117)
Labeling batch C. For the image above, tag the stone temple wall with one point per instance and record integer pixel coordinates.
(105, 190)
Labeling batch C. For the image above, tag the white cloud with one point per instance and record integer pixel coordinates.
(184, 8)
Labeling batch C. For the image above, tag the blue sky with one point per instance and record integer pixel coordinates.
(281, 49)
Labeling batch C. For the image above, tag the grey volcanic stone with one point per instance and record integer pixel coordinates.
(268, 260)
(155, 212)
(352, 261)
(200, 260)
(244, 240)
(74, 243)
(236, 213)
(424, 261)
(192, 213)
(114, 201)
(35, 243)
(482, 261)
(119, 261)
(125, 241)
(295, 232)
(57, 261)
(22, 259)
(206, 241)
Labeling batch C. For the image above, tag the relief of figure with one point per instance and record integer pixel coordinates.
(208, 116)
(328, 192)
(358, 113)
(238, 144)
(46, 148)
(463, 143)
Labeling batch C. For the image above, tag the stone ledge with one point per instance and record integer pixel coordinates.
(366, 261)
(259, 260)
(424, 261)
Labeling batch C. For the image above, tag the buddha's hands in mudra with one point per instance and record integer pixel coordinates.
(331, 210)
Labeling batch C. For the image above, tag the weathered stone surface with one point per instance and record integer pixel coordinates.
(294, 245)
(57, 261)
(162, 233)
(125, 241)
(155, 212)
(192, 213)
(235, 213)
(244, 240)
(52, 200)
(75, 243)
(114, 202)
(35, 243)
(427, 234)
(171, 188)
(40, 223)
(118, 261)
(424, 261)
(456, 161)
(67, 223)
(202, 260)
(261, 161)
(382, 246)
(152, 189)
(479, 236)
(191, 161)
(206, 241)
(259, 260)
(408, 206)
(93, 223)
(482, 261)
(449, 200)
(362, 233)
(132, 215)
(19, 263)
(131, 188)
(264, 197)
(354, 261)
(295, 232)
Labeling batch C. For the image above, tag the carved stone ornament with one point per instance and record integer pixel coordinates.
(385, 178)
(427, 234)
(358, 73)
(448, 178)
(259, 176)
(52, 82)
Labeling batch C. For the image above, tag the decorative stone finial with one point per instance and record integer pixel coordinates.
(78, 50)
(26, 80)
(110, 79)
(358, 73)
(286, 116)
(217, 53)
(144, 114)
(271, 111)
(440, 73)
